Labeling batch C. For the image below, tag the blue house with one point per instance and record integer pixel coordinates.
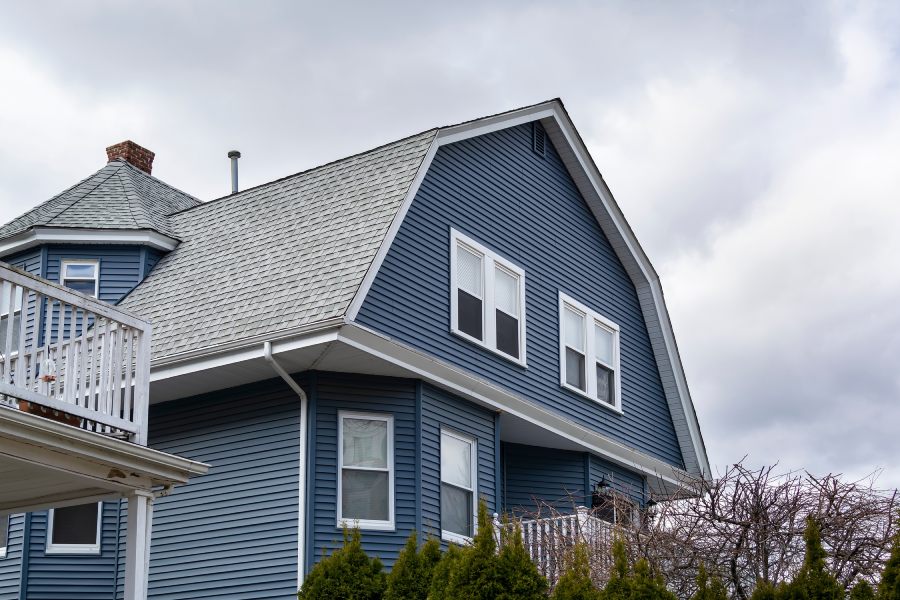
(378, 341)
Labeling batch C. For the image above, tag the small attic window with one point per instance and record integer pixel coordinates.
(538, 139)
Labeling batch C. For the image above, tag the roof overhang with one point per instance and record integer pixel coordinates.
(606, 211)
(351, 348)
(54, 464)
(37, 236)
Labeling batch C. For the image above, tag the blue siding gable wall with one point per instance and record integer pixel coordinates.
(11, 565)
(526, 207)
(121, 267)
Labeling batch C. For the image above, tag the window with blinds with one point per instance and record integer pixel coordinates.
(589, 353)
(487, 298)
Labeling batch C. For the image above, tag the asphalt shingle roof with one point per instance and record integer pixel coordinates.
(118, 196)
(278, 256)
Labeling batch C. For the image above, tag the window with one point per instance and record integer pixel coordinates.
(74, 529)
(4, 535)
(366, 478)
(589, 353)
(615, 508)
(7, 298)
(487, 303)
(459, 460)
(81, 276)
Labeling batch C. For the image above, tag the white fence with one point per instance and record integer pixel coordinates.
(73, 354)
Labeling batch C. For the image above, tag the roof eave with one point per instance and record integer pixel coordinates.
(36, 236)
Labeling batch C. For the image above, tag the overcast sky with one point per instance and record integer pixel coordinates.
(753, 146)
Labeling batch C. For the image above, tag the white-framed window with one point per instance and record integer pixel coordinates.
(589, 353)
(487, 298)
(459, 486)
(4, 534)
(365, 470)
(75, 529)
(81, 275)
(616, 508)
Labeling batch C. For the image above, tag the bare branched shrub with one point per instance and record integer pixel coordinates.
(745, 526)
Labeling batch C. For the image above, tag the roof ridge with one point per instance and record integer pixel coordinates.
(136, 171)
(311, 169)
(81, 196)
(133, 198)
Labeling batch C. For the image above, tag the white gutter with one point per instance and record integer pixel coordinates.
(304, 410)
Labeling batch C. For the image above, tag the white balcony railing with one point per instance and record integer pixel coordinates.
(550, 540)
(71, 357)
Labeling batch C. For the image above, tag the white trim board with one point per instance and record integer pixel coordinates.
(581, 167)
(59, 235)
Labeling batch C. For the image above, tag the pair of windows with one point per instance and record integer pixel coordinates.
(488, 298)
(488, 307)
(366, 477)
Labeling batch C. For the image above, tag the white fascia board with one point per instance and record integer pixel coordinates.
(628, 249)
(487, 394)
(243, 350)
(58, 235)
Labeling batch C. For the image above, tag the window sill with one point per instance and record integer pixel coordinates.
(74, 549)
(583, 394)
(455, 538)
(465, 336)
(366, 525)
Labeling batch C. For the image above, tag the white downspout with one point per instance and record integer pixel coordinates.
(304, 409)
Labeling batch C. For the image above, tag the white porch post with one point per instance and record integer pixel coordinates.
(137, 545)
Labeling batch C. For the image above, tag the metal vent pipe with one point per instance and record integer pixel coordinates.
(234, 155)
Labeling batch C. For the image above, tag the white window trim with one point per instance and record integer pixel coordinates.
(370, 524)
(74, 548)
(451, 536)
(490, 261)
(79, 261)
(590, 358)
(4, 522)
(20, 292)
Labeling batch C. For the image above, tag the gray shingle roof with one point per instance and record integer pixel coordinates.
(278, 256)
(118, 196)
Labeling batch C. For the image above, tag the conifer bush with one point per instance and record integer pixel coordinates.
(517, 573)
(410, 579)
(813, 582)
(443, 570)
(347, 573)
(575, 583)
(889, 588)
(638, 583)
(764, 591)
(709, 588)
(862, 591)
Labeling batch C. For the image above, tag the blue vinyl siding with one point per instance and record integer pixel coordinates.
(496, 190)
(11, 566)
(536, 479)
(622, 480)
(233, 532)
(120, 266)
(441, 409)
(74, 577)
(396, 397)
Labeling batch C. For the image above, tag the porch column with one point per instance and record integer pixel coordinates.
(137, 544)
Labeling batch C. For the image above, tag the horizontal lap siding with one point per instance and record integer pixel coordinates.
(10, 567)
(496, 190)
(397, 397)
(622, 480)
(537, 479)
(73, 577)
(120, 266)
(233, 532)
(441, 409)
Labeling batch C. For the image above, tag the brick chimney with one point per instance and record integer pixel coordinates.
(131, 153)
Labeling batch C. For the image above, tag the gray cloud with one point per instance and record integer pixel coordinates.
(753, 147)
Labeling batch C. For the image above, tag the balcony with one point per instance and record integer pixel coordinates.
(74, 386)
(70, 357)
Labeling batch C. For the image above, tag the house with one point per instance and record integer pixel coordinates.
(381, 340)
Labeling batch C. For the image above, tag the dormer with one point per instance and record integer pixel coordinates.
(110, 229)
